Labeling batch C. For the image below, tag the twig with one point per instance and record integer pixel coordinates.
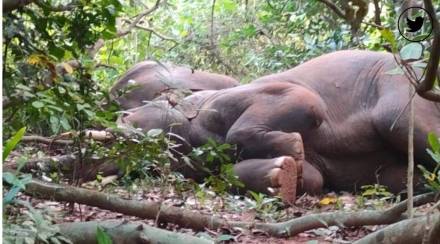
(410, 175)
(156, 33)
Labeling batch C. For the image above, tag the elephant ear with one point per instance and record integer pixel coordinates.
(188, 108)
(191, 105)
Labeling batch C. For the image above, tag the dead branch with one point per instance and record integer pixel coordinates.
(406, 231)
(122, 231)
(198, 221)
(341, 218)
(45, 140)
(142, 209)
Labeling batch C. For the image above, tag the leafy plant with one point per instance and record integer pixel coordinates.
(433, 177)
(263, 204)
(215, 160)
(11, 143)
(102, 236)
(31, 227)
(376, 191)
(14, 179)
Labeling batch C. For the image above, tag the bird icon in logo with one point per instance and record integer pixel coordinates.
(414, 25)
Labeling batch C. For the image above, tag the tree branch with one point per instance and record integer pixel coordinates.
(161, 36)
(45, 140)
(142, 209)
(138, 19)
(120, 33)
(335, 8)
(377, 12)
(425, 88)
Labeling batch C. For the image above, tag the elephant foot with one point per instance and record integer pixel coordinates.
(286, 178)
(281, 176)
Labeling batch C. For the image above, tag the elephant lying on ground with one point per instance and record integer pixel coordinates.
(342, 105)
(149, 79)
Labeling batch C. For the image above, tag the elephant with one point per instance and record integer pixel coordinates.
(333, 122)
(147, 80)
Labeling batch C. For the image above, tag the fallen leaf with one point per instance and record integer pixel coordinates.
(328, 200)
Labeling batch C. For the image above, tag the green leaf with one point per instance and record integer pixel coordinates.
(11, 143)
(9, 177)
(225, 237)
(102, 237)
(388, 35)
(37, 104)
(412, 51)
(154, 132)
(65, 124)
(434, 142)
(54, 124)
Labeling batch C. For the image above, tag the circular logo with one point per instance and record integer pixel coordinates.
(415, 24)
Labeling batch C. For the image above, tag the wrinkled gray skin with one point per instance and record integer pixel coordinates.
(147, 80)
(355, 141)
(343, 105)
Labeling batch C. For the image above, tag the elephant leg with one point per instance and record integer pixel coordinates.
(394, 130)
(272, 143)
(283, 176)
(276, 176)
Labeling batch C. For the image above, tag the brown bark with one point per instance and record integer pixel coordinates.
(406, 231)
(434, 233)
(124, 233)
(142, 209)
(425, 88)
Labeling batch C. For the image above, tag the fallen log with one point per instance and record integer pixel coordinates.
(406, 231)
(142, 209)
(122, 232)
(341, 218)
(198, 221)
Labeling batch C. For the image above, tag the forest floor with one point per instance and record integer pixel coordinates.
(230, 207)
